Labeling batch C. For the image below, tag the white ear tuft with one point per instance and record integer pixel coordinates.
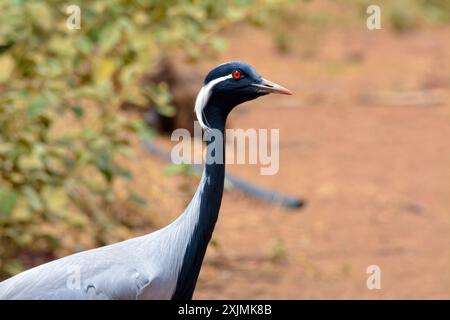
(203, 97)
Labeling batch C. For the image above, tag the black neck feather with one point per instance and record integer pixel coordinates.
(211, 191)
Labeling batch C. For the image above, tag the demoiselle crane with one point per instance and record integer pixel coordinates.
(164, 264)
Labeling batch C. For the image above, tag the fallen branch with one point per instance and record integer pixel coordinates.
(238, 183)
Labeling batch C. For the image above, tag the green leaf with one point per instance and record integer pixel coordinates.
(138, 200)
(175, 169)
(142, 129)
(105, 166)
(218, 44)
(109, 36)
(36, 106)
(8, 200)
(39, 14)
(32, 197)
(56, 200)
(14, 267)
(89, 134)
(161, 97)
(122, 172)
(77, 110)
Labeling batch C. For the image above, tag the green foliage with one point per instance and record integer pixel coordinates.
(161, 97)
(401, 19)
(179, 169)
(8, 199)
(61, 131)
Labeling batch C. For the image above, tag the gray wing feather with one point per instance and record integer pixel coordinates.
(96, 274)
(146, 267)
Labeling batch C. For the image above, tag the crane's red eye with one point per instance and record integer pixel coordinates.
(236, 74)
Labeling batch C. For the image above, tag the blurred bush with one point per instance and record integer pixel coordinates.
(60, 128)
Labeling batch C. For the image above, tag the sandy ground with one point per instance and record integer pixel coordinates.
(376, 176)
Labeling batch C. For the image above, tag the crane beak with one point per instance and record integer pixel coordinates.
(267, 86)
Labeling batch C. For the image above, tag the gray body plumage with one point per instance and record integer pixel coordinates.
(145, 267)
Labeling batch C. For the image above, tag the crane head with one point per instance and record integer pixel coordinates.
(230, 84)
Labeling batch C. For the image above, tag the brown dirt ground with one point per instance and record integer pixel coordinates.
(376, 177)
